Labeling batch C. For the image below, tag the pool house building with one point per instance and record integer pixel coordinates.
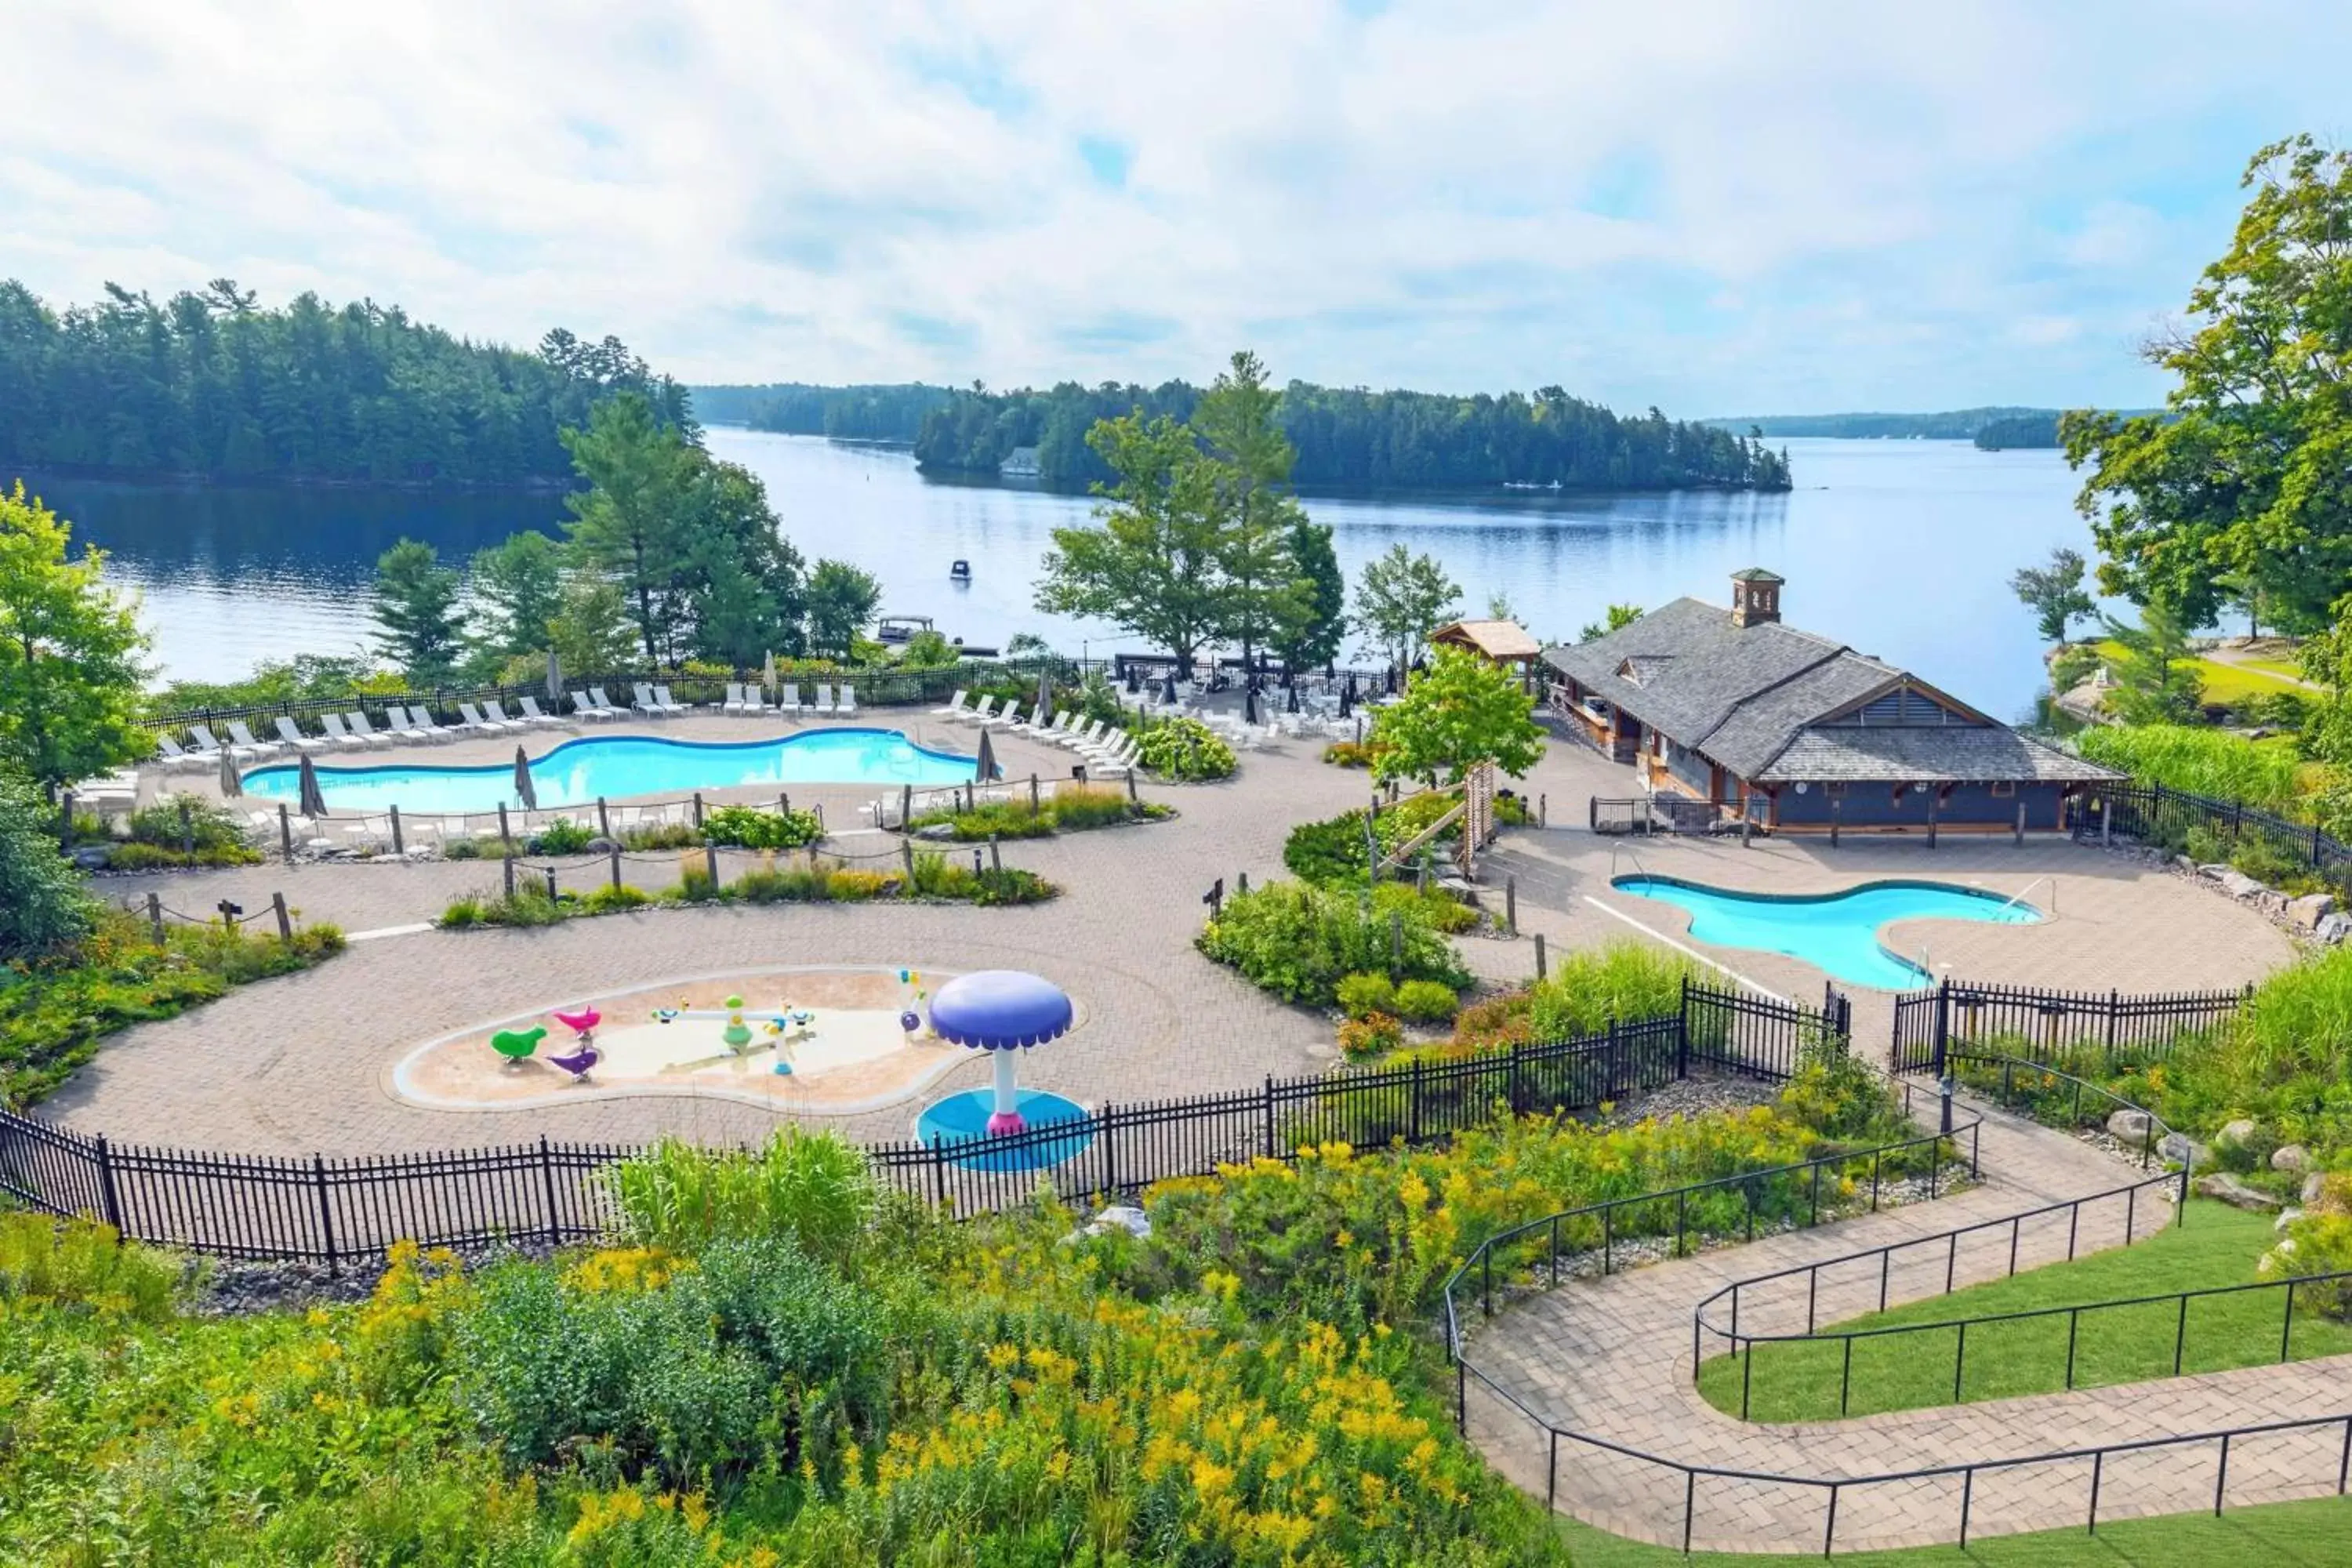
(1735, 710)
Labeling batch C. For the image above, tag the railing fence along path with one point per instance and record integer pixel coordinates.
(2154, 813)
(341, 1208)
(2061, 1029)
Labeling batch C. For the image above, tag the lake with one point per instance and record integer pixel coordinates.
(1901, 548)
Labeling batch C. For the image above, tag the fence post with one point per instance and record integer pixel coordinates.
(1682, 1033)
(604, 819)
(710, 862)
(285, 921)
(1943, 1023)
(506, 835)
(613, 854)
(188, 828)
(110, 1199)
(399, 844)
(326, 1210)
(1269, 1116)
(506, 864)
(995, 861)
(1412, 1135)
(1241, 883)
(1396, 943)
(1511, 905)
(1543, 811)
(1609, 1068)
(939, 1175)
(1540, 955)
(2020, 824)
(906, 854)
(285, 833)
(155, 917)
(550, 884)
(697, 808)
(1032, 794)
(547, 1174)
(906, 806)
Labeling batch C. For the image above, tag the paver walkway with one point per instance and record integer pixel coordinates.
(1611, 1358)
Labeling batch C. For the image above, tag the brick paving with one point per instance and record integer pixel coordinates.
(1611, 1358)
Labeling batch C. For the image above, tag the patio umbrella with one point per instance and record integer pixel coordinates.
(523, 786)
(983, 766)
(1293, 703)
(1134, 681)
(1389, 679)
(1348, 697)
(1045, 708)
(231, 783)
(1249, 703)
(314, 800)
(1169, 696)
(768, 674)
(555, 679)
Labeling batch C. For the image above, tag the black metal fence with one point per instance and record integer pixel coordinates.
(2062, 1028)
(340, 1209)
(2159, 815)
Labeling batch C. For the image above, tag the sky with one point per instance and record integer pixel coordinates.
(1714, 206)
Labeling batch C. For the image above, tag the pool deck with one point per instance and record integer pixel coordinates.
(298, 1065)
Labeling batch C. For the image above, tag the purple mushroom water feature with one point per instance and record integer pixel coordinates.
(1002, 1011)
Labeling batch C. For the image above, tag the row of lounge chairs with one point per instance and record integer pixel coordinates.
(349, 731)
(748, 701)
(1107, 749)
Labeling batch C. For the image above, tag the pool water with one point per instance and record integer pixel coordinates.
(964, 1115)
(615, 766)
(1834, 931)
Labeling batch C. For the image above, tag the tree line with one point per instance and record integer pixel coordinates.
(1351, 438)
(877, 412)
(211, 384)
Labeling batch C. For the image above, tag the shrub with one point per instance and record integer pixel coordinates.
(1442, 911)
(1401, 824)
(749, 827)
(178, 820)
(1360, 994)
(462, 911)
(609, 900)
(936, 877)
(1328, 853)
(1077, 807)
(81, 1263)
(659, 835)
(1426, 1001)
(43, 905)
(1296, 940)
(992, 819)
(1353, 754)
(2073, 665)
(1622, 980)
(812, 1188)
(2198, 760)
(1512, 810)
(1184, 749)
(132, 857)
(562, 836)
(461, 849)
(1374, 1034)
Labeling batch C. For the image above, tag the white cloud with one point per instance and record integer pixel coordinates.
(1721, 207)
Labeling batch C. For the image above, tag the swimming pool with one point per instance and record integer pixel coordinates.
(614, 766)
(1834, 932)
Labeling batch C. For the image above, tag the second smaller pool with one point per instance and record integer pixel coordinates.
(1837, 932)
(961, 1118)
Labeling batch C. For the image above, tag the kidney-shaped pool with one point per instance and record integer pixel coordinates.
(1834, 931)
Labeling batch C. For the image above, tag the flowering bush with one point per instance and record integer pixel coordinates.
(1372, 1035)
(1184, 749)
(1298, 941)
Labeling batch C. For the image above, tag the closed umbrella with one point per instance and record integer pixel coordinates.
(768, 676)
(1249, 703)
(231, 783)
(1170, 697)
(555, 679)
(984, 766)
(1293, 703)
(523, 786)
(1043, 711)
(314, 800)
(1348, 696)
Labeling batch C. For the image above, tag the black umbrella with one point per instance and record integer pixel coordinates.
(1389, 680)
(1249, 704)
(523, 786)
(983, 766)
(1133, 678)
(1293, 704)
(314, 800)
(1170, 698)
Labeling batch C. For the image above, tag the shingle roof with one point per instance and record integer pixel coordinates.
(1965, 754)
(1495, 639)
(1714, 665)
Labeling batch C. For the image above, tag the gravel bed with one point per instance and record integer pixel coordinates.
(234, 1287)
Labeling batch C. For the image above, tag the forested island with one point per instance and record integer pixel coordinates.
(2025, 430)
(1991, 429)
(1347, 439)
(210, 384)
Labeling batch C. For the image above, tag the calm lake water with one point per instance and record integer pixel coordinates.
(1901, 548)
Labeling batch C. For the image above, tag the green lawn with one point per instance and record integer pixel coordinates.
(2217, 1246)
(2227, 683)
(2313, 1534)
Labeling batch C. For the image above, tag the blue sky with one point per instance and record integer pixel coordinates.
(1717, 207)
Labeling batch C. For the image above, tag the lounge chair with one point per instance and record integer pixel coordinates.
(357, 723)
(474, 720)
(295, 739)
(1043, 728)
(1005, 718)
(338, 733)
(978, 712)
(533, 712)
(1118, 764)
(494, 710)
(670, 704)
(790, 701)
(733, 701)
(586, 707)
(422, 718)
(954, 710)
(399, 726)
(646, 703)
(1110, 745)
(210, 747)
(823, 703)
(172, 754)
(611, 707)
(1084, 738)
(240, 735)
(849, 702)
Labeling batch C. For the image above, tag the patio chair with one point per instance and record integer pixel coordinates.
(240, 735)
(357, 723)
(399, 726)
(475, 721)
(848, 704)
(670, 704)
(422, 718)
(823, 703)
(210, 747)
(1005, 718)
(955, 708)
(1084, 738)
(338, 733)
(1118, 764)
(790, 700)
(646, 703)
(172, 754)
(610, 706)
(293, 737)
(977, 713)
(496, 712)
(733, 701)
(591, 708)
(1043, 728)
(538, 715)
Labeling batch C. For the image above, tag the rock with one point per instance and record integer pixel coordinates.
(1123, 1217)
(91, 856)
(2212, 870)
(2129, 1126)
(600, 845)
(2272, 902)
(2287, 1216)
(2236, 1131)
(937, 830)
(2308, 911)
(2291, 1157)
(2182, 1147)
(2314, 1186)
(2228, 1189)
(2238, 885)
(2186, 864)
(2333, 928)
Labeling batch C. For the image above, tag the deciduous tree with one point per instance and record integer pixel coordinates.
(70, 649)
(1402, 598)
(1461, 710)
(1150, 563)
(518, 589)
(841, 599)
(2054, 593)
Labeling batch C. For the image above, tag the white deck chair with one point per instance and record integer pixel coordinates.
(533, 713)
(211, 748)
(295, 739)
(847, 703)
(401, 727)
(953, 709)
(1005, 718)
(338, 733)
(495, 711)
(422, 718)
(612, 708)
(823, 703)
(240, 735)
(670, 704)
(1045, 728)
(977, 713)
(586, 707)
(172, 754)
(789, 702)
(646, 703)
(368, 735)
(733, 701)
(1118, 764)
(475, 721)
(1084, 738)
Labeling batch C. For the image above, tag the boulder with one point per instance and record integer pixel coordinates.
(2290, 1157)
(2308, 911)
(1122, 1216)
(2286, 1218)
(2212, 870)
(91, 857)
(2226, 1188)
(2333, 928)
(2182, 1147)
(2272, 902)
(601, 847)
(936, 831)
(2188, 865)
(2313, 1185)
(2236, 1131)
(2129, 1126)
(2238, 885)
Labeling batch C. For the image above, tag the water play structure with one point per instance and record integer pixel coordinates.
(1002, 1011)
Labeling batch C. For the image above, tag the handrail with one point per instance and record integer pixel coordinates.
(2028, 888)
(2149, 1140)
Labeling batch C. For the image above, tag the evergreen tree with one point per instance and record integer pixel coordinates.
(416, 606)
(1261, 594)
(1313, 636)
(518, 587)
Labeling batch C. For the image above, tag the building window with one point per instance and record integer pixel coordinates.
(2004, 787)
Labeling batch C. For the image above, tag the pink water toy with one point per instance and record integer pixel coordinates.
(581, 1023)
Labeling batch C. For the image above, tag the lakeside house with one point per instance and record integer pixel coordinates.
(1734, 708)
(1497, 642)
(1021, 463)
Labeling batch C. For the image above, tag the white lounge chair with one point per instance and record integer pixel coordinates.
(357, 723)
(421, 718)
(586, 707)
(847, 703)
(172, 754)
(955, 708)
(240, 735)
(790, 701)
(646, 703)
(338, 733)
(210, 747)
(295, 739)
(670, 704)
(475, 721)
(1005, 718)
(1110, 745)
(538, 715)
(494, 710)
(1043, 728)
(823, 703)
(978, 712)
(733, 701)
(611, 707)
(1119, 763)
(1084, 738)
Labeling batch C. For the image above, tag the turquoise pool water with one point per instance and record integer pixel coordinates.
(1834, 931)
(576, 772)
(962, 1116)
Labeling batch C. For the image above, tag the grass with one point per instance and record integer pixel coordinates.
(2227, 683)
(2217, 1246)
(2315, 1533)
(2201, 762)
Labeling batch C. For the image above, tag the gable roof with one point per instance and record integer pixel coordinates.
(1952, 754)
(1495, 639)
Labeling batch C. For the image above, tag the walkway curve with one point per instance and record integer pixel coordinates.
(1609, 1358)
